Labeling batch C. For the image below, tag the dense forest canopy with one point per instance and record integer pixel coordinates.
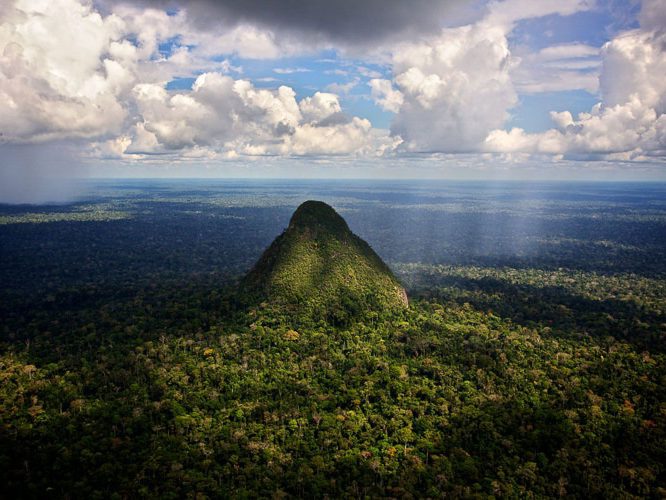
(530, 362)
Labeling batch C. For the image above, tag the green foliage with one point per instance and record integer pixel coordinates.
(318, 268)
(518, 371)
(439, 399)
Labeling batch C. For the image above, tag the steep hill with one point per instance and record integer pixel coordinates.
(317, 265)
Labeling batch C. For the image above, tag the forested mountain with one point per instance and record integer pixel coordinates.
(319, 268)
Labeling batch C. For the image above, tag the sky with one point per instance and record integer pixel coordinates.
(499, 89)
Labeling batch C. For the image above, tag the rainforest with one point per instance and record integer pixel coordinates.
(198, 339)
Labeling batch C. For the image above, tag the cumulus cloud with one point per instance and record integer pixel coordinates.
(234, 117)
(114, 90)
(385, 95)
(45, 92)
(629, 123)
(244, 40)
(450, 90)
(453, 92)
(66, 71)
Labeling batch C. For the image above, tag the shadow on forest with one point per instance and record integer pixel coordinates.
(82, 319)
(567, 314)
(187, 308)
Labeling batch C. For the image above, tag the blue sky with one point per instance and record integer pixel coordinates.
(498, 88)
(329, 69)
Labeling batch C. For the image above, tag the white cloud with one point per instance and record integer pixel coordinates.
(112, 149)
(45, 91)
(339, 72)
(66, 71)
(147, 28)
(232, 116)
(634, 63)
(450, 91)
(567, 51)
(113, 90)
(455, 88)
(320, 107)
(246, 41)
(385, 95)
(345, 138)
(630, 121)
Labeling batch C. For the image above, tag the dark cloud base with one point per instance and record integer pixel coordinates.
(353, 21)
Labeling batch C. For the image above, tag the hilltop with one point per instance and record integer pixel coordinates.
(319, 267)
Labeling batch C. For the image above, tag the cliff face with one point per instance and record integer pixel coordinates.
(319, 265)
